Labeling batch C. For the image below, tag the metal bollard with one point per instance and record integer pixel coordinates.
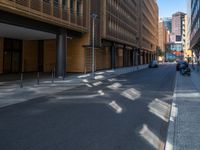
(38, 78)
(63, 75)
(52, 76)
(21, 81)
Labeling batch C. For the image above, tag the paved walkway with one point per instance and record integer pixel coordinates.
(184, 130)
(11, 93)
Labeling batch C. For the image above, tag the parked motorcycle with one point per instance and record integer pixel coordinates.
(184, 69)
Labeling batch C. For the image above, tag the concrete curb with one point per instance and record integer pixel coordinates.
(170, 142)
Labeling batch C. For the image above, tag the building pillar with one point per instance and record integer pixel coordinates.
(139, 57)
(147, 57)
(60, 55)
(1, 54)
(124, 57)
(142, 56)
(135, 57)
(113, 57)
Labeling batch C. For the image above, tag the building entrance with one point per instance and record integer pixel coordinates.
(12, 55)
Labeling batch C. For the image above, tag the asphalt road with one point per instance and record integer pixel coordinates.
(128, 112)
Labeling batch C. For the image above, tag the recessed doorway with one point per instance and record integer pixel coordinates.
(12, 55)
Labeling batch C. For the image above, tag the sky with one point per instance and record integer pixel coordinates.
(168, 7)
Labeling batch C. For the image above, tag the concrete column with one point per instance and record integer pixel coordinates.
(113, 57)
(139, 57)
(1, 54)
(135, 57)
(124, 57)
(60, 54)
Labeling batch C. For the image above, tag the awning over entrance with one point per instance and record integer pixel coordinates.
(16, 32)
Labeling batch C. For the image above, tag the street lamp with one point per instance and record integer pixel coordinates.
(94, 16)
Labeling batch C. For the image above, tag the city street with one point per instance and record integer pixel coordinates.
(127, 112)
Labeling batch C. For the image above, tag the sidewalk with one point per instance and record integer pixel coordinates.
(184, 131)
(11, 93)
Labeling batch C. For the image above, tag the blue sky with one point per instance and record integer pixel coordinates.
(168, 7)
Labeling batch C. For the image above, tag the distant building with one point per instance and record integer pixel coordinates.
(168, 23)
(163, 37)
(178, 26)
(178, 41)
(176, 49)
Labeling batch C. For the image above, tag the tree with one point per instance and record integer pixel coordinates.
(159, 52)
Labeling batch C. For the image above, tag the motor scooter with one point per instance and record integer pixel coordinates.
(185, 69)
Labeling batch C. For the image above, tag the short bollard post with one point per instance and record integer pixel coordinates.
(21, 80)
(63, 75)
(52, 76)
(38, 78)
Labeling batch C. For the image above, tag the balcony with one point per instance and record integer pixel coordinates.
(46, 11)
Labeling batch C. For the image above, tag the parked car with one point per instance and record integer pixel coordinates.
(153, 64)
(179, 63)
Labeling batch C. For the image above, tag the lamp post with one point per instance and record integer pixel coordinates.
(94, 16)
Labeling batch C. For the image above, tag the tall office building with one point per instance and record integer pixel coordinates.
(177, 44)
(163, 38)
(168, 23)
(163, 35)
(178, 26)
(38, 35)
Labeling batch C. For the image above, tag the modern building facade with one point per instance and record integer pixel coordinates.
(174, 51)
(168, 23)
(34, 34)
(178, 37)
(163, 38)
(178, 26)
(194, 7)
(40, 35)
(186, 45)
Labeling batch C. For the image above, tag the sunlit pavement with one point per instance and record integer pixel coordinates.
(184, 131)
(127, 112)
(11, 93)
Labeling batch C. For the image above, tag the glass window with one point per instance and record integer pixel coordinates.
(65, 4)
(55, 2)
(72, 5)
